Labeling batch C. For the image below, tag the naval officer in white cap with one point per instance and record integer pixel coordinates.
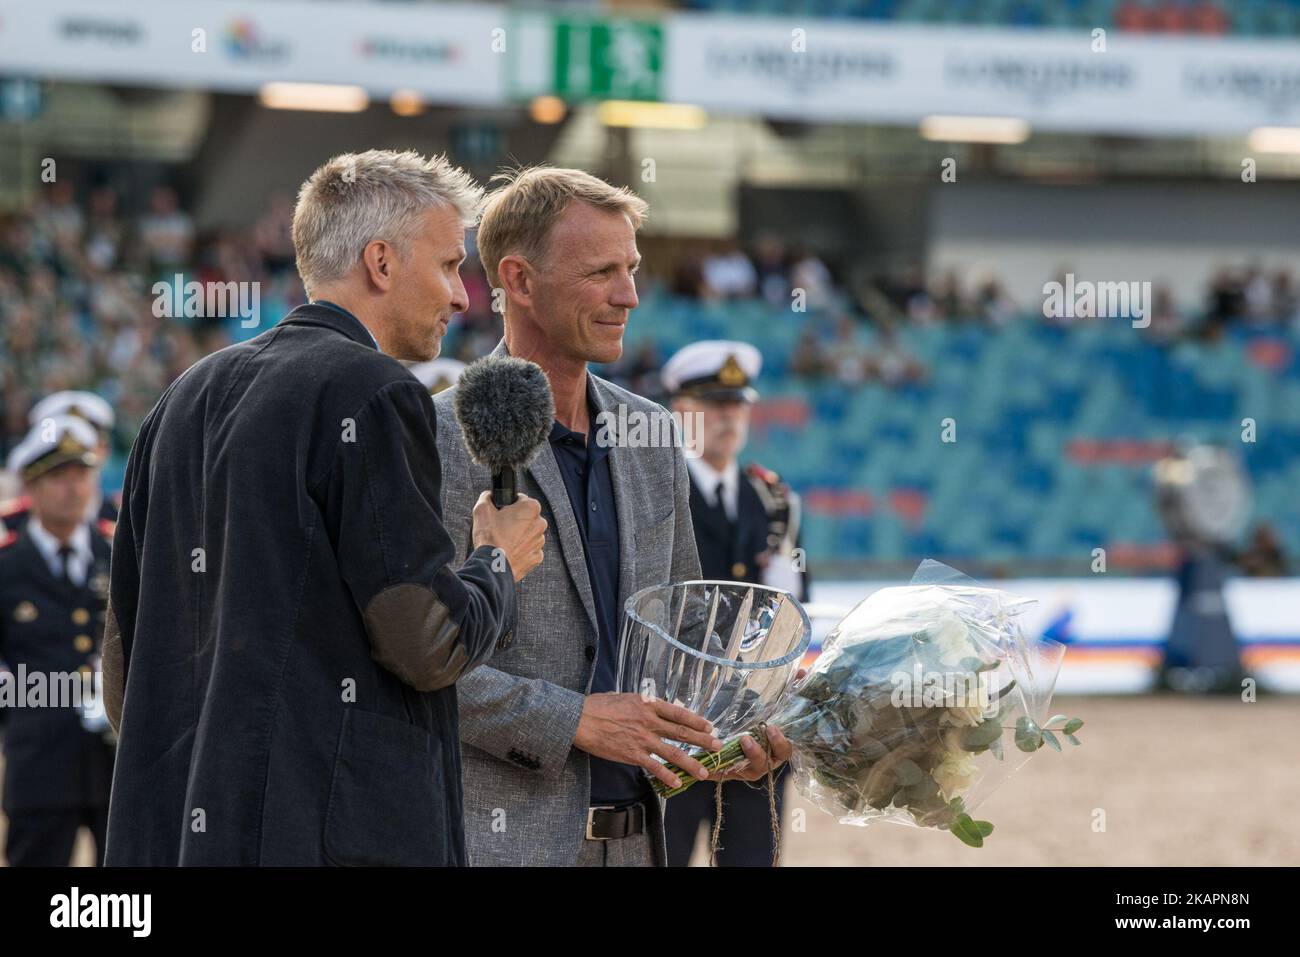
(58, 764)
(95, 411)
(746, 529)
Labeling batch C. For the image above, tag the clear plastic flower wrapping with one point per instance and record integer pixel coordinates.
(925, 698)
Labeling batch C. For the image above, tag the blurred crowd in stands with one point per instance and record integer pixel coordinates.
(76, 300)
(769, 271)
(77, 306)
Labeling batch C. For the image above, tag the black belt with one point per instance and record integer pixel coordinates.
(608, 823)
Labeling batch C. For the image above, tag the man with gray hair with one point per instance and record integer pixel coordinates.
(556, 759)
(285, 630)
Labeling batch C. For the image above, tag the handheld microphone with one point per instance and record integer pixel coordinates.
(505, 409)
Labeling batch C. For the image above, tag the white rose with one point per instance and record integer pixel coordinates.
(950, 639)
(954, 773)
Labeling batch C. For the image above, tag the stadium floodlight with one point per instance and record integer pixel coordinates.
(1275, 139)
(974, 129)
(547, 109)
(323, 97)
(658, 116)
(406, 103)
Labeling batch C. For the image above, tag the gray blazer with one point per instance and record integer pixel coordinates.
(527, 789)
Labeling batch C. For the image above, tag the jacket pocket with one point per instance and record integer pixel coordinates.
(388, 795)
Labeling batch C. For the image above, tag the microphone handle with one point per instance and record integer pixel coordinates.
(504, 489)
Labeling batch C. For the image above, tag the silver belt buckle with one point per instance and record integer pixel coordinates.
(591, 819)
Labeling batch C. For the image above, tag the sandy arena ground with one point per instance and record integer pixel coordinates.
(1182, 782)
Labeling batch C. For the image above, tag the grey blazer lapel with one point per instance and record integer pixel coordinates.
(545, 471)
(623, 472)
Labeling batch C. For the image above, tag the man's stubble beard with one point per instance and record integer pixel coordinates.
(421, 344)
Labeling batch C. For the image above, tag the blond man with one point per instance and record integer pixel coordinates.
(556, 760)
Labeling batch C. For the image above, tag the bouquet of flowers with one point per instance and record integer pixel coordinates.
(924, 699)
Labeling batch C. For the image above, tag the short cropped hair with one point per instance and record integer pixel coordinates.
(518, 215)
(356, 198)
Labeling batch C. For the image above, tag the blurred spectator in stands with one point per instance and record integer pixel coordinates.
(479, 294)
(728, 273)
(166, 231)
(104, 230)
(273, 234)
(993, 306)
(949, 303)
(890, 364)
(809, 273)
(770, 265)
(476, 331)
(1257, 296)
(914, 299)
(846, 355)
(1166, 321)
(808, 360)
(42, 293)
(59, 217)
(227, 256)
(1263, 556)
(687, 278)
(638, 371)
(1286, 303)
(1227, 299)
(25, 363)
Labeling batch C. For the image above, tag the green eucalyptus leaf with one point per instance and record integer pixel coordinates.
(1029, 737)
(967, 831)
(1073, 725)
(1051, 739)
(1055, 718)
(981, 736)
(1073, 740)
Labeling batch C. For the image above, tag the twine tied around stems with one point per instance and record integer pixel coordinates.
(761, 733)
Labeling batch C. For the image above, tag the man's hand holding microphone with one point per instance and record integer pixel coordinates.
(505, 409)
(518, 531)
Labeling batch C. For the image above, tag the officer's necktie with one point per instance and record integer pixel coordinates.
(720, 503)
(65, 556)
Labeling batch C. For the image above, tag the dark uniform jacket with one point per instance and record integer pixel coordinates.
(730, 549)
(50, 627)
(289, 629)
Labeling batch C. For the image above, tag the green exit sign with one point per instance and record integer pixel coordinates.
(608, 59)
(587, 58)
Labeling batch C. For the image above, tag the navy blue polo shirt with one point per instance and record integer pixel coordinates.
(585, 469)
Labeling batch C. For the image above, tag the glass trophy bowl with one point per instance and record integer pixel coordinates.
(724, 650)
